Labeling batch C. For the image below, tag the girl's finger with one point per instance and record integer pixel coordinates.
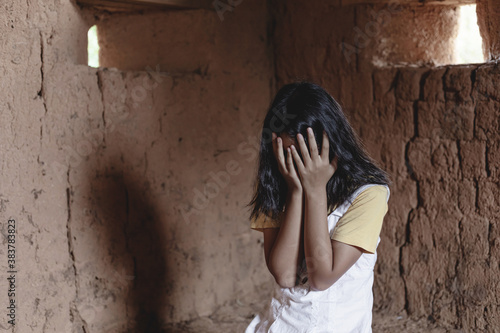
(289, 161)
(275, 143)
(303, 149)
(313, 146)
(325, 147)
(290, 165)
(281, 157)
(297, 159)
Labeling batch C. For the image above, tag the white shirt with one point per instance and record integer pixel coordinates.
(344, 307)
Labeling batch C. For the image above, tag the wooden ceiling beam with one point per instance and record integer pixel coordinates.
(148, 4)
(409, 2)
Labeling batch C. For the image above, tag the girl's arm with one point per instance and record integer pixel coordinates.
(282, 245)
(327, 260)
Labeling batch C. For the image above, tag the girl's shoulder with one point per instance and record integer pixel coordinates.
(367, 190)
(374, 189)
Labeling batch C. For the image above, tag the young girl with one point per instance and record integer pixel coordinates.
(320, 201)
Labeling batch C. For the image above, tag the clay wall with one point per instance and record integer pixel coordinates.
(128, 182)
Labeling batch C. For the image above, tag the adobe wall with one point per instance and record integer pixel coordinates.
(435, 129)
(103, 168)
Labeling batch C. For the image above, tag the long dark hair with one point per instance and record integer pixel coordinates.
(295, 107)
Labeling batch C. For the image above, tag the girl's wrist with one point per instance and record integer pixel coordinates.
(293, 187)
(314, 192)
(295, 195)
(294, 191)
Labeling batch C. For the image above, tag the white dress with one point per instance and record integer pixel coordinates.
(344, 307)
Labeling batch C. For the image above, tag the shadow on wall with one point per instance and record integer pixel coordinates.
(133, 232)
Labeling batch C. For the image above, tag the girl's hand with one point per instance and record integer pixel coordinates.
(285, 164)
(316, 170)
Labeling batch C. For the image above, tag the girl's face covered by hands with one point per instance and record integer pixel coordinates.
(283, 155)
(288, 141)
(314, 167)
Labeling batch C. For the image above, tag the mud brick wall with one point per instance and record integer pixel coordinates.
(128, 182)
(449, 258)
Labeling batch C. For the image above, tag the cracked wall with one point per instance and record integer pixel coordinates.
(102, 167)
(435, 129)
(448, 259)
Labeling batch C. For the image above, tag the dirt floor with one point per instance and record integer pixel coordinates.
(235, 317)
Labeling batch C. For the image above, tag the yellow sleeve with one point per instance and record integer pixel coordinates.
(362, 222)
(264, 221)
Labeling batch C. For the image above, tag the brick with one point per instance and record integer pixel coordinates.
(489, 199)
(433, 159)
(458, 84)
(487, 124)
(473, 158)
(448, 120)
(432, 87)
(408, 83)
(493, 158)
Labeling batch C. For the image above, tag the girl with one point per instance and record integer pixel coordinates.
(320, 201)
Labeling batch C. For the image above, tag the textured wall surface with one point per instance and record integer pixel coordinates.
(449, 259)
(128, 186)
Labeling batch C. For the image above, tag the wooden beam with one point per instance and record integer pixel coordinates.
(409, 2)
(148, 4)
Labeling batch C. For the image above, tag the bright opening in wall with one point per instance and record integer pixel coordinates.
(469, 44)
(93, 47)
